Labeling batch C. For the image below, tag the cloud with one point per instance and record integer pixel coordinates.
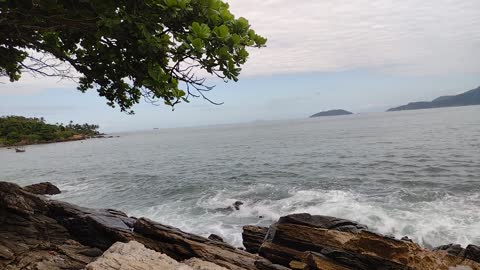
(408, 37)
(413, 37)
(30, 84)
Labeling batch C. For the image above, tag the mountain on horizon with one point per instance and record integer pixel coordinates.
(468, 98)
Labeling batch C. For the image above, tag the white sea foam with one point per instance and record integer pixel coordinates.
(430, 223)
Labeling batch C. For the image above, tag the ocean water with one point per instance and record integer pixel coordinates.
(414, 173)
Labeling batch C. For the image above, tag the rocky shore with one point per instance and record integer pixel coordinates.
(43, 234)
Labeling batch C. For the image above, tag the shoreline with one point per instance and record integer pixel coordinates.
(73, 139)
(37, 230)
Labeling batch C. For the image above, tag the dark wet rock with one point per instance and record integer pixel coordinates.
(234, 207)
(253, 237)
(237, 205)
(406, 238)
(452, 249)
(329, 243)
(215, 237)
(99, 228)
(14, 198)
(324, 222)
(45, 188)
(357, 261)
(31, 240)
(472, 252)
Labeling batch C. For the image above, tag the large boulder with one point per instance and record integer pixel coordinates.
(14, 199)
(45, 188)
(472, 252)
(99, 228)
(316, 242)
(323, 222)
(135, 256)
(253, 237)
(31, 240)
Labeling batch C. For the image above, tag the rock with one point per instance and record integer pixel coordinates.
(340, 244)
(265, 264)
(31, 240)
(452, 249)
(296, 265)
(182, 246)
(406, 238)
(197, 264)
(14, 198)
(103, 228)
(234, 207)
(45, 188)
(237, 205)
(215, 237)
(253, 237)
(134, 256)
(42, 226)
(99, 228)
(318, 261)
(472, 252)
(324, 222)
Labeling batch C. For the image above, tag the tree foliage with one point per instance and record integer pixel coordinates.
(127, 49)
(22, 130)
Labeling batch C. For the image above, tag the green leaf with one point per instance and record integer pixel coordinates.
(170, 3)
(198, 44)
(201, 30)
(236, 39)
(222, 32)
(156, 73)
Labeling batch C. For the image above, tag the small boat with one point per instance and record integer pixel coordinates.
(20, 149)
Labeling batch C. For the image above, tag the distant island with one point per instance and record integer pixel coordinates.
(19, 130)
(468, 98)
(331, 113)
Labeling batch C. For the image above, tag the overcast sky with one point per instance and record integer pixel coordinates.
(362, 55)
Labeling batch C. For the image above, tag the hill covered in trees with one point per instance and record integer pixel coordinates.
(331, 113)
(468, 98)
(19, 130)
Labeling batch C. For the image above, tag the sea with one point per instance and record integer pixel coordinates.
(411, 173)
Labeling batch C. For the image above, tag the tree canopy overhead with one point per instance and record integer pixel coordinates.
(126, 49)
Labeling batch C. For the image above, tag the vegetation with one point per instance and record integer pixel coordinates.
(19, 130)
(126, 49)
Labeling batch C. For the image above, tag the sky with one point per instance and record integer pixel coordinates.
(363, 56)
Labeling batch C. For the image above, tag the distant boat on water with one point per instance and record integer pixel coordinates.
(20, 149)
